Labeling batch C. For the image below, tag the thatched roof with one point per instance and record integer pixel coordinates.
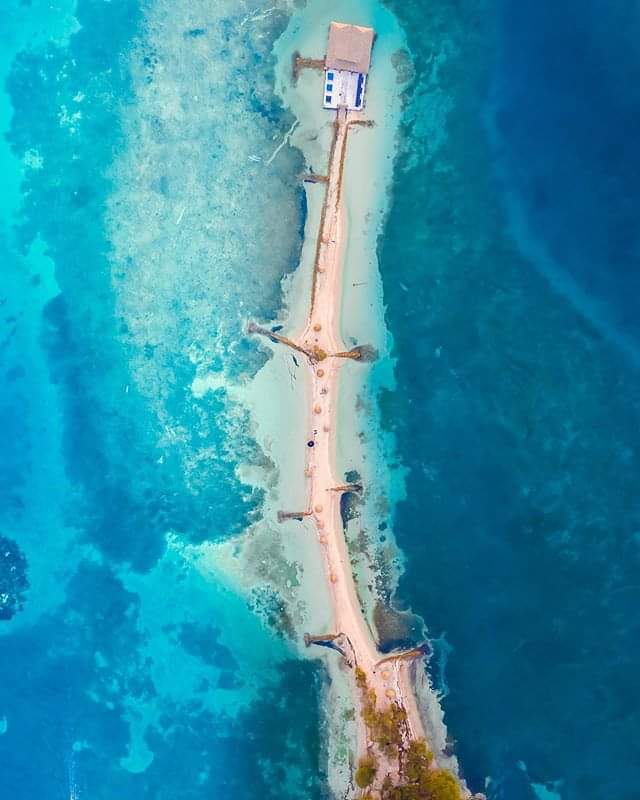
(349, 47)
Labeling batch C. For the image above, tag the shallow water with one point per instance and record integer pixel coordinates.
(127, 272)
(144, 134)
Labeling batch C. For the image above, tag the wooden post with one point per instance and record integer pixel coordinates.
(300, 63)
(334, 641)
(348, 487)
(312, 177)
(363, 353)
(320, 638)
(314, 354)
(405, 655)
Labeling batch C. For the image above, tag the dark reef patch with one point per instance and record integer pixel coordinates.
(396, 630)
(13, 578)
(202, 641)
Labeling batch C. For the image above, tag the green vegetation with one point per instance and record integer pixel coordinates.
(434, 784)
(441, 785)
(366, 771)
(317, 353)
(420, 779)
(384, 727)
(418, 759)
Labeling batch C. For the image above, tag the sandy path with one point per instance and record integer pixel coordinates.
(392, 682)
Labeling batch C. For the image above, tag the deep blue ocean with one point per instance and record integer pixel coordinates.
(513, 300)
(128, 222)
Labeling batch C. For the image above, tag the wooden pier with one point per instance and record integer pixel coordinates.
(300, 63)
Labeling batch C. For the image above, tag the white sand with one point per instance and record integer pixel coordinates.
(337, 315)
(323, 598)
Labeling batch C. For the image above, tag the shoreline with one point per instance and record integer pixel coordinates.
(276, 555)
(323, 331)
(322, 336)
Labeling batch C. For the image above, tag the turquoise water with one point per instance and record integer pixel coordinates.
(127, 673)
(137, 183)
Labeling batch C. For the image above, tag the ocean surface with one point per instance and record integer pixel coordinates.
(134, 200)
(510, 263)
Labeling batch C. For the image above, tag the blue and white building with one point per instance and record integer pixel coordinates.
(347, 65)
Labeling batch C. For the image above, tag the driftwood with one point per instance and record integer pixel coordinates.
(348, 487)
(313, 177)
(334, 641)
(405, 655)
(363, 353)
(300, 63)
(314, 354)
(297, 515)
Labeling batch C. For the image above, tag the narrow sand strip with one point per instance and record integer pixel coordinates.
(321, 340)
(283, 408)
(318, 334)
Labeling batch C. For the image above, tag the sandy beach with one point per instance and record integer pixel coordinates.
(321, 336)
(333, 301)
(342, 296)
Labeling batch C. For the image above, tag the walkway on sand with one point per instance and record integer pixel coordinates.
(352, 637)
(323, 331)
